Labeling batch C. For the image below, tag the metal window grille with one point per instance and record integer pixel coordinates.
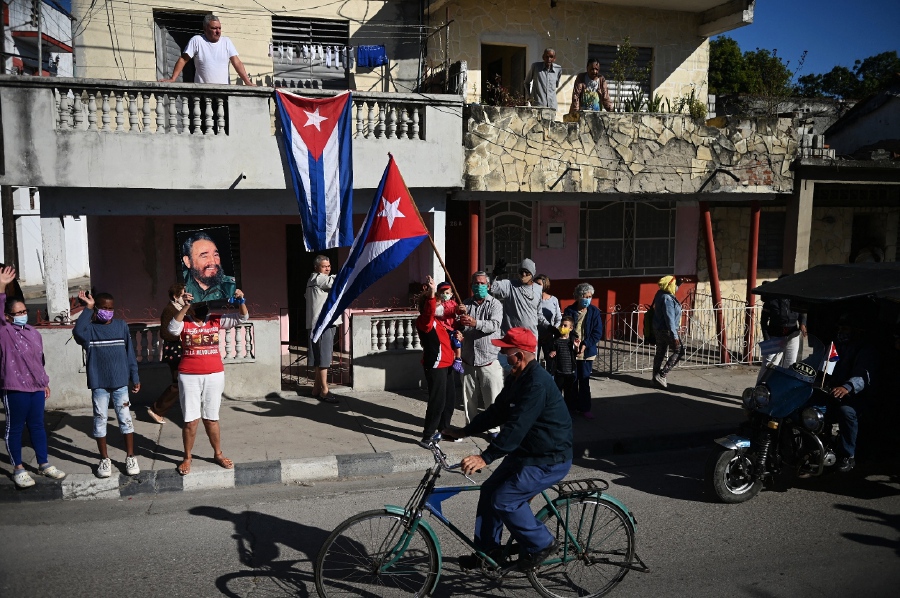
(507, 233)
(291, 34)
(626, 238)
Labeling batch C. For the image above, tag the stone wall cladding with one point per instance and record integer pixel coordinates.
(524, 149)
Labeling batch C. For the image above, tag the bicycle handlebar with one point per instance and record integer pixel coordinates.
(440, 458)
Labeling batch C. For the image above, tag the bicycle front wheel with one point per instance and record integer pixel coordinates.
(605, 542)
(365, 556)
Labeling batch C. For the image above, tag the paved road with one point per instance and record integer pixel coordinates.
(833, 537)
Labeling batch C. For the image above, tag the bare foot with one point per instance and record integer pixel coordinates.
(223, 461)
(185, 467)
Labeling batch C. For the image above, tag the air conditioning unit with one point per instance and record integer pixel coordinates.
(556, 235)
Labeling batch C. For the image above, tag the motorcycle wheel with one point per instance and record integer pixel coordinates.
(726, 476)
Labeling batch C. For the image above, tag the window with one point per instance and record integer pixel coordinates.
(311, 52)
(770, 253)
(626, 238)
(507, 233)
(607, 55)
(172, 32)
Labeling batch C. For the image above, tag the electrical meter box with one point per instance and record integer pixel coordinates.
(556, 235)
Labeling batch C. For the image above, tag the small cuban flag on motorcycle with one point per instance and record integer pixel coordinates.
(773, 346)
(832, 359)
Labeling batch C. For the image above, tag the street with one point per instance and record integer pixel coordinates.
(832, 537)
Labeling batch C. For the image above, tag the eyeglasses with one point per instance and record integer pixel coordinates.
(17, 313)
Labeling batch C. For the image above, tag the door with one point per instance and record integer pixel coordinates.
(506, 65)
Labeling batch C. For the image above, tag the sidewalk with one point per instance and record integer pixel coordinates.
(286, 438)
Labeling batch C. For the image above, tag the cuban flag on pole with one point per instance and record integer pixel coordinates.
(392, 230)
(832, 360)
(317, 141)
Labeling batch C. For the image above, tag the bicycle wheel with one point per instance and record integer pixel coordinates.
(605, 536)
(350, 562)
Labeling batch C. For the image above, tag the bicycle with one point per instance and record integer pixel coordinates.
(396, 552)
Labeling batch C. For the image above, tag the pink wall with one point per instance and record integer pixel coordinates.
(555, 263)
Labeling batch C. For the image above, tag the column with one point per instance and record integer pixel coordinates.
(56, 279)
(797, 227)
(439, 233)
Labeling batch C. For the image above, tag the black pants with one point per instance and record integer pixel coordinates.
(441, 400)
(566, 385)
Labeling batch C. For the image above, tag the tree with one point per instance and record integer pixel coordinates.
(876, 72)
(726, 67)
(866, 77)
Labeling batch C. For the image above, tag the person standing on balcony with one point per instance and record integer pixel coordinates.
(201, 373)
(211, 54)
(320, 352)
(590, 91)
(542, 81)
(521, 298)
(588, 332)
(666, 322)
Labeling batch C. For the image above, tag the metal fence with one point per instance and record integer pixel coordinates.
(295, 369)
(713, 335)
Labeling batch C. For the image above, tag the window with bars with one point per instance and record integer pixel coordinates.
(770, 252)
(315, 50)
(507, 233)
(626, 238)
(607, 55)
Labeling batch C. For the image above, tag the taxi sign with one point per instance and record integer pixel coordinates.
(805, 370)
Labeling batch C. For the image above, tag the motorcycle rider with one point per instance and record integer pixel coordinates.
(851, 381)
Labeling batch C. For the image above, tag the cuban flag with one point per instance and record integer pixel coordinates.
(832, 360)
(317, 141)
(392, 230)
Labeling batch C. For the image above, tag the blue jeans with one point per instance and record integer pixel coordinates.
(25, 409)
(504, 501)
(100, 398)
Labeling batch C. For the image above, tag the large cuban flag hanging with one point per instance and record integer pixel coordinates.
(317, 138)
(392, 230)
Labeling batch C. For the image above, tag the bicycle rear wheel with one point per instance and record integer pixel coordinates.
(351, 559)
(605, 537)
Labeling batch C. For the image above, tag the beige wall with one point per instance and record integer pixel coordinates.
(120, 44)
(681, 56)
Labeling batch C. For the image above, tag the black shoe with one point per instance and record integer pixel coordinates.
(468, 562)
(847, 464)
(535, 559)
(328, 399)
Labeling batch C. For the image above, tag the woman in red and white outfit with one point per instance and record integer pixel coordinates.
(201, 373)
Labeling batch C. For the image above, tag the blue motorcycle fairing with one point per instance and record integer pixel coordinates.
(395, 510)
(788, 394)
(734, 442)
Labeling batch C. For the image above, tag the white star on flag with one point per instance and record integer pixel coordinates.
(314, 119)
(391, 210)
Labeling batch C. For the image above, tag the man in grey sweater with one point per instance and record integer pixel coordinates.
(521, 298)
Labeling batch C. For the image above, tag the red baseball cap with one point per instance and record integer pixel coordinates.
(517, 338)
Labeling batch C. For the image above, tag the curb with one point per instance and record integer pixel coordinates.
(84, 486)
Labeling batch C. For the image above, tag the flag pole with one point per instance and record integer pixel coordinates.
(431, 240)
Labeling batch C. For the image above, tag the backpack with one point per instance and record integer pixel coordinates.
(649, 334)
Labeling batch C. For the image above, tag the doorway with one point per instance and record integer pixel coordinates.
(505, 64)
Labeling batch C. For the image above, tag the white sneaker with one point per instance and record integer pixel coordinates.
(661, 380)
(104, 470)
(131, 466)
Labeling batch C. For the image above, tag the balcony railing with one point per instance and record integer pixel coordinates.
(236, 345)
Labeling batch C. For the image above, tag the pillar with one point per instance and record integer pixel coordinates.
(797, 228)
(56, 279)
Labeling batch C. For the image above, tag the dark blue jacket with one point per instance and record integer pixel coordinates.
(592, 328)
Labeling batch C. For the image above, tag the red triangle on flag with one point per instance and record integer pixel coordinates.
(314, 118)
(397, 216)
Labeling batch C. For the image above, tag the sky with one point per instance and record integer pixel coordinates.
(834, 33)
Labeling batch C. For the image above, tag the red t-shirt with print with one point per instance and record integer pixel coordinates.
(200, 347)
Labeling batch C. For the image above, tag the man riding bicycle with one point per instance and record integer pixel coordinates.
(536, 440)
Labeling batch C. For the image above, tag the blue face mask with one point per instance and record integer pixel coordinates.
(480, 291)
(584, 302)
(20, 320)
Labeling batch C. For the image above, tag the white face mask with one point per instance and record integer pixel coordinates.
(446, 296)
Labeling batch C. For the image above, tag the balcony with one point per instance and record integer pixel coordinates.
(92, 133)
(523, 150)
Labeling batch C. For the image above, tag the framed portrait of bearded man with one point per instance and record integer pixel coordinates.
(206, 265)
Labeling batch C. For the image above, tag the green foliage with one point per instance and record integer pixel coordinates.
(726, 67)
(690, 103)
(866, 77)
(624, 68)
(655, 103)
(495, 94)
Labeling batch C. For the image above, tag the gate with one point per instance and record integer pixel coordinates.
(295, 370)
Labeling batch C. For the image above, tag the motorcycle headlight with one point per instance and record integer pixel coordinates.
(813, 420)
(747, 398)
(761, 396)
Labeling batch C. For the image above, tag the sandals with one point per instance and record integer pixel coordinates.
(22, 479)
(185, 467)
(223, 461)
(52, 472)
(157, 418)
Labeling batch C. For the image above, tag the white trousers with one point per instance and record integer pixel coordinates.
(785, 359)
(483, 383)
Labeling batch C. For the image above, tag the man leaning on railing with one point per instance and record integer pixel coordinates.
(211, 54)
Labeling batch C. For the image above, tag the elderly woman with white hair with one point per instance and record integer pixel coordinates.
(588, 332)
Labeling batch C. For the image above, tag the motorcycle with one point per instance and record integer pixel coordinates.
(787, 431)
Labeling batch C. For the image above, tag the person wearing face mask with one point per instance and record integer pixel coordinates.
(561, 353)
(535, 441)
(551, 312)
(482, 374)
(588, 331)
(25, 384)
(110, 365)
(666, 322)
(521, 298)
(446, 313)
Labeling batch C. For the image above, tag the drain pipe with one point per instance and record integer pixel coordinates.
(752, 255)
(713, 268)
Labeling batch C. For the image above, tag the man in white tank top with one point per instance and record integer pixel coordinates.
(211, 54)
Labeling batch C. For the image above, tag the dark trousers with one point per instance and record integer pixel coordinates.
(582, 391)
(848, 420)
(566, 385)
(169, 397)
(441, 400)
(666, 342)
(25, 409)
(504, 501)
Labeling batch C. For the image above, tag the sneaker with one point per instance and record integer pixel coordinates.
(52, 472)
(458, 365)
(131, 466)
(328, 399)
(22, 479)
(661, 380)
(847, 464)
(104, 470)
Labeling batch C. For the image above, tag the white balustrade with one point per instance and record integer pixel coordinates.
(237, 345)
(384, 118)
(394, 332)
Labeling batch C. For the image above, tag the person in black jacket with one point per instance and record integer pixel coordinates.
(535, 440)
